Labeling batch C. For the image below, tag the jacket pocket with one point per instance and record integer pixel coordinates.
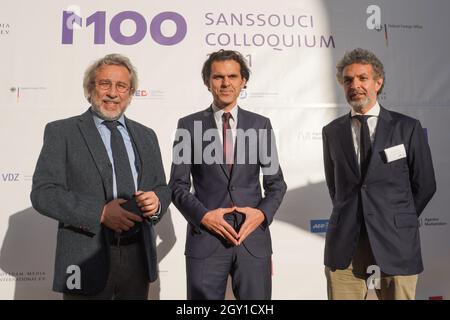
(406, 220)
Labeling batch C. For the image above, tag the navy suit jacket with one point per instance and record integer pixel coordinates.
(392, 195)
(71, 184)
(214, 187)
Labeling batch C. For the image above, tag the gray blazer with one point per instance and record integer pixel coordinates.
(71, 184)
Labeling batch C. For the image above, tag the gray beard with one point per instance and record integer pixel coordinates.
(359, 105)
(102, 116)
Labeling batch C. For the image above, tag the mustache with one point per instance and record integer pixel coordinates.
(352, 92)
(108, 99)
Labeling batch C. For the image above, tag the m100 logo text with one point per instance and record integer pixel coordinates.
(98, 23)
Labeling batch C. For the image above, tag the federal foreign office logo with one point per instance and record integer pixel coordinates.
(18, 91)
(374, 22)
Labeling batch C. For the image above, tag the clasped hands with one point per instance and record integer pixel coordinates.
(215, 222)
(118, 219)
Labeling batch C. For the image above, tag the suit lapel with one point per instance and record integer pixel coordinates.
(382, 133)
(346, 139)
(98, 151)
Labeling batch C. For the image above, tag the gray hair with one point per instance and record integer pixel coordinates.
(361, 56)
(110, 59)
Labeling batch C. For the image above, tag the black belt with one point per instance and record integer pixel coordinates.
(118, 240)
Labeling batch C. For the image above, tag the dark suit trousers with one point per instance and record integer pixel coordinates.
(251, 276)
(127, 280)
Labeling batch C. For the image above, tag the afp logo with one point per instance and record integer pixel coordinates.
(319, 226)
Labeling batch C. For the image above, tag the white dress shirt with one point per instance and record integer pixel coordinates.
(219, 121)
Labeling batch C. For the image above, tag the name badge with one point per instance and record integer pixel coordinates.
(395, 153)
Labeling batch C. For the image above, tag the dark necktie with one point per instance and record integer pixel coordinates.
(124, 176)
(365, 144)
(227, 140)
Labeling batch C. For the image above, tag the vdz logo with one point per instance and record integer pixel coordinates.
(98, 23)
(319, 226)
(10, 177)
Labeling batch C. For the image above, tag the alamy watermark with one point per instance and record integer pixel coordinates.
(74, 279)
(251, 146)
(373, 281)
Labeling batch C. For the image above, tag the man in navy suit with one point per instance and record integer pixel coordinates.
(224, 148)
(380, 176)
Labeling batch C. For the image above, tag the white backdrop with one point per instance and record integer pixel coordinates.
(292, 46)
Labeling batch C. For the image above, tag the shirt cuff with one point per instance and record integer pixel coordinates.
(156, 215)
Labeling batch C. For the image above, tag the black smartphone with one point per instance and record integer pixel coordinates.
(131, 205)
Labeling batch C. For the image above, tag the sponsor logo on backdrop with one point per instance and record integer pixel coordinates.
(374, 22)
(12, 177)
(19, 91)
(309, 135)
(319, 226)
(4, 29)
(431, 222)
(22, 276)
(382, 96)
(125, 28)
(147, 94)
(281, 31)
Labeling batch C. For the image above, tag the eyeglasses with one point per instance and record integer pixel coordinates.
(107, 85)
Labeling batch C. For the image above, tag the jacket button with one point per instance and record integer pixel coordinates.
(364, 186)
(232, 188)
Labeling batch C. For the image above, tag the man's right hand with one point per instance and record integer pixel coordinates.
(214, 221)
(117, 218)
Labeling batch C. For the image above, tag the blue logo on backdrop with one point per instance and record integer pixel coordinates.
(319, 226)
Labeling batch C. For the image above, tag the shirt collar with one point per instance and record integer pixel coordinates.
(374, 111)
(218, 112)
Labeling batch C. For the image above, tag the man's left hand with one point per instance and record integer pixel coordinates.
(148, 202)
(253, 218)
